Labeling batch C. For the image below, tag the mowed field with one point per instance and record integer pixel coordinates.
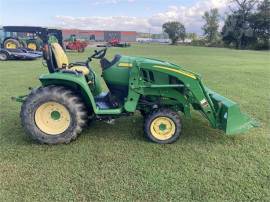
(117, 163)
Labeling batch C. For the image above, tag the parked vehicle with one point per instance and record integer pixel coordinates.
(19, 54)
(72, 43)
(114, 43)
(71, 94)
(118, 43)
(27, 37)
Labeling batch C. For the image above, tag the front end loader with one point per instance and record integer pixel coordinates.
(71, 94)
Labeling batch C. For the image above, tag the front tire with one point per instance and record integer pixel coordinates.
(53, 115)
(31, 44)
(163, 126)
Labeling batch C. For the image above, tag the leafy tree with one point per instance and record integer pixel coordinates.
(237, 29)
(193, 36)
(246, 6)
(260, 23)
(237, 32)
(210, 28)
(175, 30)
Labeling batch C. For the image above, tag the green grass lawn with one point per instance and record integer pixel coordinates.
(116, 162)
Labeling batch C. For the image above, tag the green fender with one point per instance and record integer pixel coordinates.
(75, 81)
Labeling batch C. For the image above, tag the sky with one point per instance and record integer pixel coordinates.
(134, 15)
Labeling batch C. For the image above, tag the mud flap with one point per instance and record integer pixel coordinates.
(229, 117)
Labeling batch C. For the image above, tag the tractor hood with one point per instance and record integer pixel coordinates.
(121, 69)
(158, 65)
(149, 61)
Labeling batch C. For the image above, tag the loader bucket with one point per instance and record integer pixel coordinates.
(229, 117)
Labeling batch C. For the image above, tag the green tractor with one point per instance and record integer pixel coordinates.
(70, 95)
(29, 42)
(16, 37)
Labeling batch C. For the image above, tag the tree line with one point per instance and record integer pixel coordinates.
(246, 26)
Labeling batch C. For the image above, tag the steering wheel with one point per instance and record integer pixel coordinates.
(99, 54)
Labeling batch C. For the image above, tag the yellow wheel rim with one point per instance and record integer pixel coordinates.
(162, 128)
(32, 46)
(52, 118)
(11, 45)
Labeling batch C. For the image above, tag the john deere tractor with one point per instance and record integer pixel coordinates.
(71, 94)
(16, 37)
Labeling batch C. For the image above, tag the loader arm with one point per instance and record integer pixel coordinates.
(221, 112)
(195, 93)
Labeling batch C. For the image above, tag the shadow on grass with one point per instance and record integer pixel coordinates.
(194, 131)
(131, 129)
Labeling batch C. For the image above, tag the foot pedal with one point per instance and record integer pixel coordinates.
(105, 101)
(110, 121)
(103, 105)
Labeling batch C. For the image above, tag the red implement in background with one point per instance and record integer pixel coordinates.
(114, 42)
(76, 45)
(118, 43)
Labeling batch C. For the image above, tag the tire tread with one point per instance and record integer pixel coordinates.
(69, 97)
(163, 112)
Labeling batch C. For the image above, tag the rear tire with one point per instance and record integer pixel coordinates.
(53, 115)
(144, 113)
(11, 44)
(163, 126)
(3, 56)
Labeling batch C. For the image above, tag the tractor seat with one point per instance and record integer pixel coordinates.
(105, 64)
(62, 62)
